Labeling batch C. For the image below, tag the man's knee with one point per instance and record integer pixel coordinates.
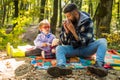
(60, 47)
(102, 41)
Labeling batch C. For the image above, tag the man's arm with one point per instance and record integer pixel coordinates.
(64, 37)
(86, 32)
(71, 28)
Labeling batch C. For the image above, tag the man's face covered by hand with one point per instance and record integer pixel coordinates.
(72, 17)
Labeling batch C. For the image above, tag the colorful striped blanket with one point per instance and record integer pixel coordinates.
(112, 61)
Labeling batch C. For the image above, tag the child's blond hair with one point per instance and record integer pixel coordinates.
(43, 22)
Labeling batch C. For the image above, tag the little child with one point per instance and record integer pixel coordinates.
(45, 42)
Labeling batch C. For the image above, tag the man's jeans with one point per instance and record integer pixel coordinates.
(99, 47)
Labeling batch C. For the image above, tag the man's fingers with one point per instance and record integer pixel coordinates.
(66, 29)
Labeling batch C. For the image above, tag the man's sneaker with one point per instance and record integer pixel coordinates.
(98, 69)
(59, 71)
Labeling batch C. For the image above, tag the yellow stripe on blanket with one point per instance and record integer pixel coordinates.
(116, 68)
(117, 61)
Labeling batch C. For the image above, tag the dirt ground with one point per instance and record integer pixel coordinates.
(28, 72)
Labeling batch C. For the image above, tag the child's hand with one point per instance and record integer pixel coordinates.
(53, 51)
(44, 45)
(55, 42)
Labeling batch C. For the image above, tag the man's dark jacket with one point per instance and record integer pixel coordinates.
(84, 29)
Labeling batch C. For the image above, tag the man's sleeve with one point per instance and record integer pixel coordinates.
(64, 37)
(86, 32)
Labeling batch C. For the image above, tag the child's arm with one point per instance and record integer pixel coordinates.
(55, 42)
(45, 44)
(38, 42)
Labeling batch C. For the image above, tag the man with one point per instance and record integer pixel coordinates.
(78, 40)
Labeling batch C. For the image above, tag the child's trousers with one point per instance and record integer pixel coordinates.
(34, 52)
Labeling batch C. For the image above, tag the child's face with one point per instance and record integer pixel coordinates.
(45, 28)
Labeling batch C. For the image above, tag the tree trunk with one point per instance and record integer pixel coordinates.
(21, 5)
(90, 9)
(60, 14)
(4, 13)
(118, 16)
(54, 17)
(16, 12)
(78, 3)
(95, 15)
(47, 11)
(103, 18)
(16, 8)
(42, 10)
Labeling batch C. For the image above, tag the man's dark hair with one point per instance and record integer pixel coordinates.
(69, 8)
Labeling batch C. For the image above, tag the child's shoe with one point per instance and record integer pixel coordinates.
(8, 49)
(16, 52)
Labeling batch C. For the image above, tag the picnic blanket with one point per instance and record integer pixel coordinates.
(75, 63)
(40, 63)
(112, 58)
(112, 61)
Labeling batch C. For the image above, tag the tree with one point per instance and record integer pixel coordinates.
(15, 12)
(60, 14)
(42, 10)
(16, 8)
(103, 18)
(54, 16)
(4, 13)
(90, 9)
(77, 2)
(118, 15)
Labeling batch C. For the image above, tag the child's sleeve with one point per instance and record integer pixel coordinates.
(38, 42)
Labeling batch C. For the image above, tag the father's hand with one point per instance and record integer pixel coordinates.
(65, 23)
(71, 28)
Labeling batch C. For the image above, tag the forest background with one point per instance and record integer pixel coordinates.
(16, 15)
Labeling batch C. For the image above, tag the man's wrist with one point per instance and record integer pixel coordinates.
(76, 36)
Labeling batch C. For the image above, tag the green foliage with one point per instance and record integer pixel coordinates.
(1, 14)
(113, 40)
(4, 38)
(29, 13)
(14, 36)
